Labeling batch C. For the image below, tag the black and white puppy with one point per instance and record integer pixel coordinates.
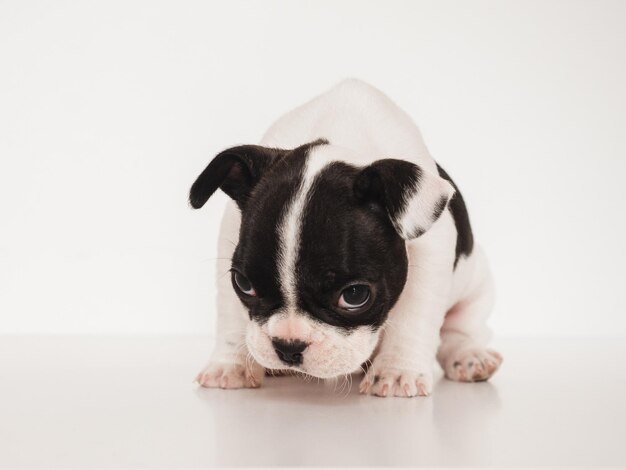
(347, 245)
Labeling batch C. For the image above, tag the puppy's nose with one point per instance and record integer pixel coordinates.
(290, 352)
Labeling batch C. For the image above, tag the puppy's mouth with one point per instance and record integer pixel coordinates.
(322, 352)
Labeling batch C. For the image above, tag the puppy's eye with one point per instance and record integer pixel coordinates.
(354, 297)
(244, 284)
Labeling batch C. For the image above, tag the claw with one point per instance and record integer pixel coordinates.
(496, 354)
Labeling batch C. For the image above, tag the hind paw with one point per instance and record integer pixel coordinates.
(472, 365)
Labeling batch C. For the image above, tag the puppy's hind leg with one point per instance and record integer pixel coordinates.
(463, 353)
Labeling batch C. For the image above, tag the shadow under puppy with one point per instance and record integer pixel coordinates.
(347, 244)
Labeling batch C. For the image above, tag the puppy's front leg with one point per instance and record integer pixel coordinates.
(231, 365)
(403, 365)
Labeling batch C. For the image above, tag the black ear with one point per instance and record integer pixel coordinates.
(236, 171)
(414, 198)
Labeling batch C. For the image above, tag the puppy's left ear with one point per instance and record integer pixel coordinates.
(414, 198)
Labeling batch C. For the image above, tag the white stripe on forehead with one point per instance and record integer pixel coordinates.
(291, 225)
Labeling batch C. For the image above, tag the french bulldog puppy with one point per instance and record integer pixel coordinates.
(348, 248)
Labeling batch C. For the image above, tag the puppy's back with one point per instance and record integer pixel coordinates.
(357, 116)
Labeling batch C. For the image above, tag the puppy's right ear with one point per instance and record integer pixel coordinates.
(235, 171)
(414, 198)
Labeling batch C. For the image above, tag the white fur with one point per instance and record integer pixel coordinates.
(363, 125)
(291, 227)
(330, 352)
(417, 215)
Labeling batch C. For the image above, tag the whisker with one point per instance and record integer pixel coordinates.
(344, 385)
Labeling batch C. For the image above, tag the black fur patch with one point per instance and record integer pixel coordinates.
(346, 240)
(439, 207)
(464, 236)
(256, 255)
(370, 183)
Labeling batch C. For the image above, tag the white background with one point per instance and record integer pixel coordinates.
(109, 110)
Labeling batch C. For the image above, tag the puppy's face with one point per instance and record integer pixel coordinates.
(321, 258)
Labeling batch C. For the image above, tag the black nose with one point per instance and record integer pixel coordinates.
(289, 352)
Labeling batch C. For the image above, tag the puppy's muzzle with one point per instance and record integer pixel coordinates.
(290, 352)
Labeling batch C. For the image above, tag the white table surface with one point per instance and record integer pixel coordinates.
(89, 402)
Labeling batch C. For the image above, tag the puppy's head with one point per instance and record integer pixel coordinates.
(321, 258)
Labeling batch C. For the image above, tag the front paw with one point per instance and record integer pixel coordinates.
(392, 382)
(231, 375)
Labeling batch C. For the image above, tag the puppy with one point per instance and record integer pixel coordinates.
(348, 247)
